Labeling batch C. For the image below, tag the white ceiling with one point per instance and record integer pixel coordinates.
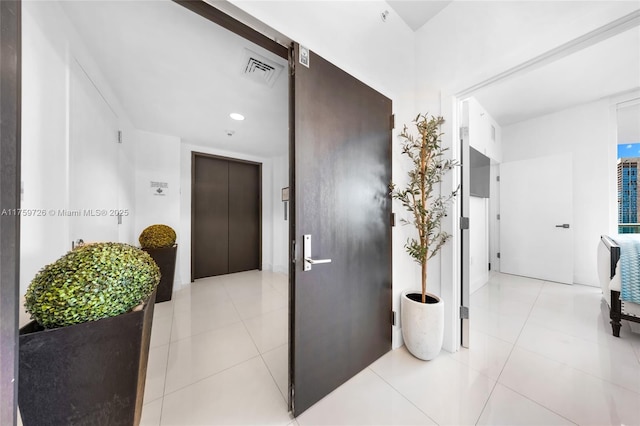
(607, 68)
(176, 73)
(416, 13)
(601, 70)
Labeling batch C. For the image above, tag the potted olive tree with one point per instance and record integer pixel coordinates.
(160, 242)
(422, 313)
(83, 360)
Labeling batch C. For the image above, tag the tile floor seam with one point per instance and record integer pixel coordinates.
(540, 405)
(218, 328)
(604, 379)
(494, 337)
(546, 289)
(402, 395)
(263, 313)
(211, 375)
(286, 400)
(497, 380)
(543, 356)
(579, 370)
(166, 368)
(274, 380)
(541, 323)
(572, 336)
(244, 324)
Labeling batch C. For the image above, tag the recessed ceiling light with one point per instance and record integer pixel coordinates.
(236, 116)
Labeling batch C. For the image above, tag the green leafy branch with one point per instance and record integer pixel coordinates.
(418, 197)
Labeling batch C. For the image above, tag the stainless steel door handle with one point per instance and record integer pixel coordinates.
(564, 225)
(316, 261)
(308, 261)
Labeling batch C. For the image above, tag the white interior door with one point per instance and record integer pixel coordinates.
(536, 213)
(93, 162)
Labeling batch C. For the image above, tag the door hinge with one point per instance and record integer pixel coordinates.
(498, 216)
(464, 312)
(393, 219)
(498, 255)
(393, 317)
(119, 218)
(497, 178)
(393, 121)
(292, 62)
(293, 251)
(292, 394)
(119, 136)
(464, 223)
(489, 265)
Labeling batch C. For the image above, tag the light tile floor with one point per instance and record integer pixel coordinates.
(541, 354)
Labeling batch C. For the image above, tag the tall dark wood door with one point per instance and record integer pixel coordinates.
(244, 217)
(340, 312)
(226, 225)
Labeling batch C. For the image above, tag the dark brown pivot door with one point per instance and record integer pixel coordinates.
(226, 204)
(340, 312)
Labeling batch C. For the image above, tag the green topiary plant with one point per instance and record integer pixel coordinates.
(89, 283)
(157, 236)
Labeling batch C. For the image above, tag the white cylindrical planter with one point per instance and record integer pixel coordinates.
(422, 325)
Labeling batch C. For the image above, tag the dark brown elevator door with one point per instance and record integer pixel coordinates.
(340, 312)
(226, 216)
(244, 217)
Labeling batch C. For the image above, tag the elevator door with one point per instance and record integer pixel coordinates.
(226, 210)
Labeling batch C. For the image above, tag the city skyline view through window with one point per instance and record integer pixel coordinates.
(627, 174)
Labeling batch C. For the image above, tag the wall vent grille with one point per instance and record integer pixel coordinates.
(260, 69)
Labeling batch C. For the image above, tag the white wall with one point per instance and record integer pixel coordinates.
(270, 193)
(44, 141)
(480, 131)
(469, 42)
(126, 189)
(280, 226)
(465, 44)
(352, 36)
(584, 132)
(628, 122)
(51, 50)
(157, 160)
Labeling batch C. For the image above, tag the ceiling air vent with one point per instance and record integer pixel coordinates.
(260, 69)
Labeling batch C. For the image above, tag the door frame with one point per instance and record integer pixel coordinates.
(195, 154)
(452, 264)
(10, 145)
(465, 257)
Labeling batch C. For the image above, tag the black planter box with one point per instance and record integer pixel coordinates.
(166, 260)
(86, 374)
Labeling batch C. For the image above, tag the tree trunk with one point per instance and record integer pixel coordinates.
(424, 282)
